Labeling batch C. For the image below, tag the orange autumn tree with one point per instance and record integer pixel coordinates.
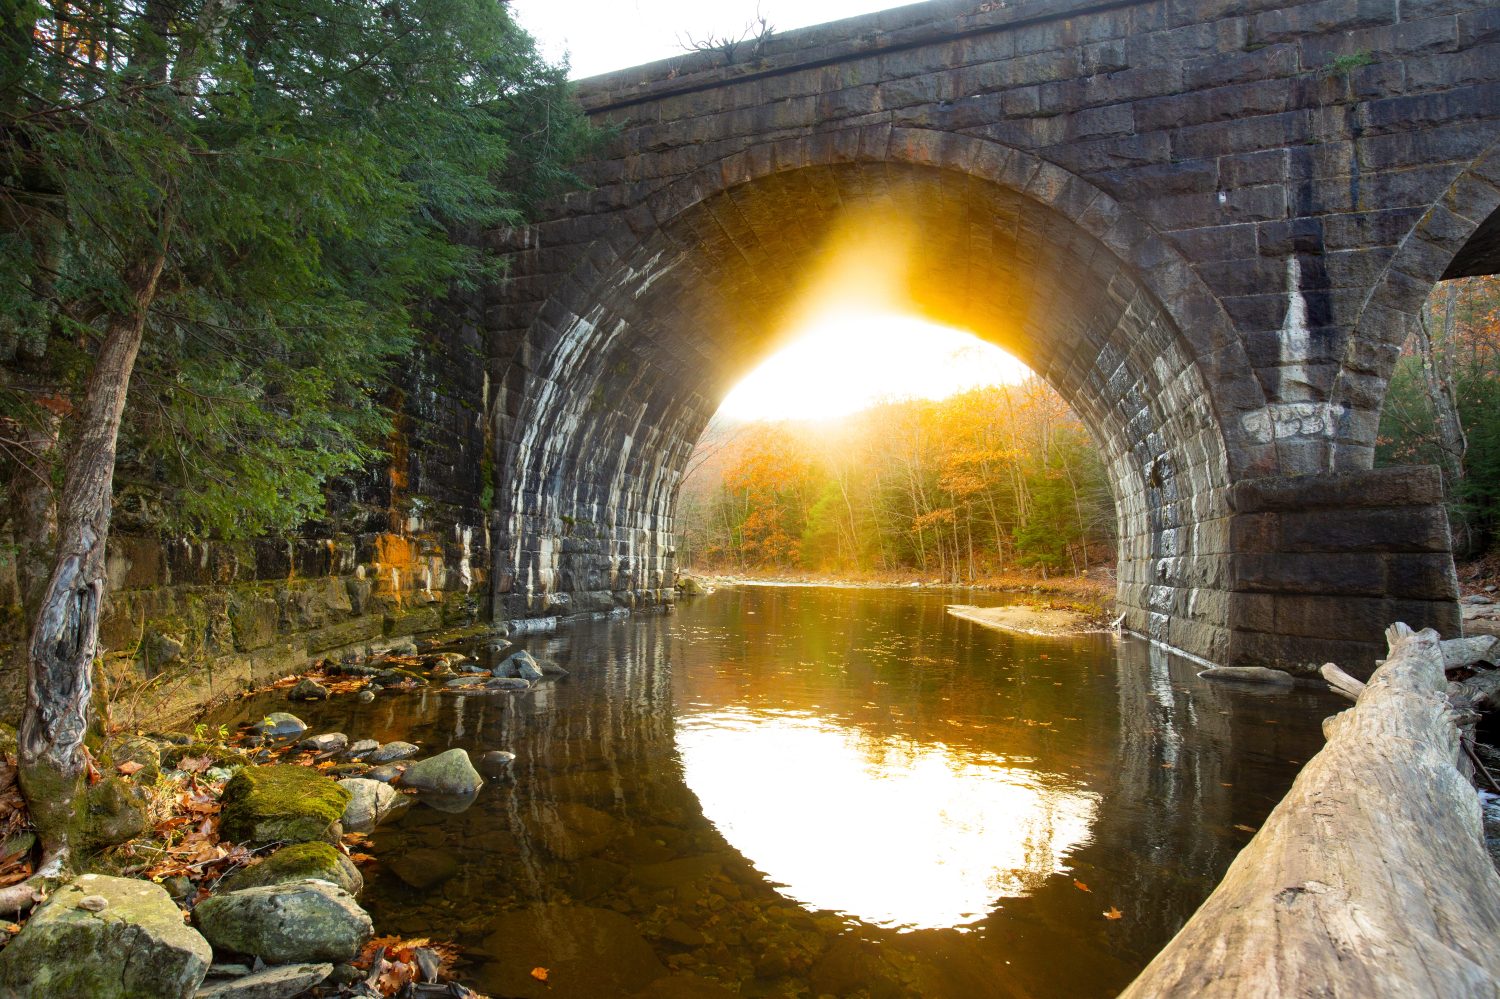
(977, 484)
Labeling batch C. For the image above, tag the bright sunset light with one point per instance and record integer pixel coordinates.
(850, 361)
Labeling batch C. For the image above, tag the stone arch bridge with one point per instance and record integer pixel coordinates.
(1210, 225)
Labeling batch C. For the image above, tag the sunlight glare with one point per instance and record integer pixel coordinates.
(850, 361)
(903, 835)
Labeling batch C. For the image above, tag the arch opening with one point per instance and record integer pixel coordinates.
(630, 359)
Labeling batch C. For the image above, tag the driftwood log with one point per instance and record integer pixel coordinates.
(1370, 878)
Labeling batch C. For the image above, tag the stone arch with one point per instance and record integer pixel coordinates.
(616, 378)
(1423, 258)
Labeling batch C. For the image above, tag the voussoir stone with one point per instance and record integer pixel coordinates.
(136, 947)
(287, 923)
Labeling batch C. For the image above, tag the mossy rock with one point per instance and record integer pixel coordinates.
(135, 749)
(281, 802)
(298, 863)
(113, 813)
(219, 756)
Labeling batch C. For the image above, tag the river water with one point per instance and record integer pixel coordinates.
(796, 791)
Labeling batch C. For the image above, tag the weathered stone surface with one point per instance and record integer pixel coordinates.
(303, 921)
(447, 773)
(282, 982)
(423, 867)
(391, 752)
(308, 689)
(283, 802)
(370, 801)
(136, 947)
(299, 863)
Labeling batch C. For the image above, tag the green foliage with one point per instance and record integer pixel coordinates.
(308, 169)
(1345, 64)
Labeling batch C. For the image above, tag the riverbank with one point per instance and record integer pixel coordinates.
(1026, 620)
(1088, 600)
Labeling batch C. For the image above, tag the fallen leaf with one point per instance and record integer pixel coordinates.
(1113, 913)
(540, 974)
(1080, 885)
(129, 767)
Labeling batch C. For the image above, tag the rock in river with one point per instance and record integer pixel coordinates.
(136, 946)
(370, 801)
(308, 689)
(286, 924)
(446, 773)
(279, 725)
(298, 863)
(520, 664)
(391, 752)
(423, 867)
(281, 802)
(587, 953)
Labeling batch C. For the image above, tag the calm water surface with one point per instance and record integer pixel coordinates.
(811, 791)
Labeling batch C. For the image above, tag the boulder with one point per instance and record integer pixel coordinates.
(308, 689)
(136, 946)
(279, 725)
(508, 683)
(287, 923)
(391, 752)
(280, 802)
(300, 862)
(445, 773)
(360, 749)
(218, 756)
(330, 742)
(282, 982)
(370, 801)
(519, 664)
(114, 813)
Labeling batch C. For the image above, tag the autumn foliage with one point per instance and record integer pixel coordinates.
(985, 482)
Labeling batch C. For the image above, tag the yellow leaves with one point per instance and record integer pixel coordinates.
(540, 974)
(1080, 885)
(1113, 913)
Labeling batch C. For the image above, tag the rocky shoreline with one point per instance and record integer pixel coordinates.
(226, 865)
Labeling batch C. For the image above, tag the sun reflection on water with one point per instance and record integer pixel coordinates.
(899, 834)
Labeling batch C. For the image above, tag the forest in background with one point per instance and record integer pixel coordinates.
(1443, 407)
(1005, 478)
(973, 486)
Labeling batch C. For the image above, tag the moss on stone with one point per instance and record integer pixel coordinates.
(280, 802)
(219, 756)
(298, 863)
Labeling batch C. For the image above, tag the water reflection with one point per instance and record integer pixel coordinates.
(910, 836)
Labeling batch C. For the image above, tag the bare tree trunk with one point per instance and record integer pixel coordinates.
(65, 637)
(1437, 374)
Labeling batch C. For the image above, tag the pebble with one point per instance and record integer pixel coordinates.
(93, 903)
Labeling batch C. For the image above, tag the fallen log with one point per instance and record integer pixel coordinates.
(1370, 878)
(1249, 674)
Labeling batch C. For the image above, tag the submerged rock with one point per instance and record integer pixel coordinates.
(280, 802)
(446, 773)
(587, 952)
(299, 863)
(286, 923)
(508, 683)
(370, 801)
(282, 982)
(136, 947)
(571, 831)
(423, 868)
(391, 752)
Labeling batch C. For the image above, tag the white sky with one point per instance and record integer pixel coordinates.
(600, 36)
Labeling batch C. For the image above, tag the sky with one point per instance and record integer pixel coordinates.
(841, 357)
(599, 37)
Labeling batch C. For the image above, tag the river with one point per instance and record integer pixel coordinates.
(802, 791)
